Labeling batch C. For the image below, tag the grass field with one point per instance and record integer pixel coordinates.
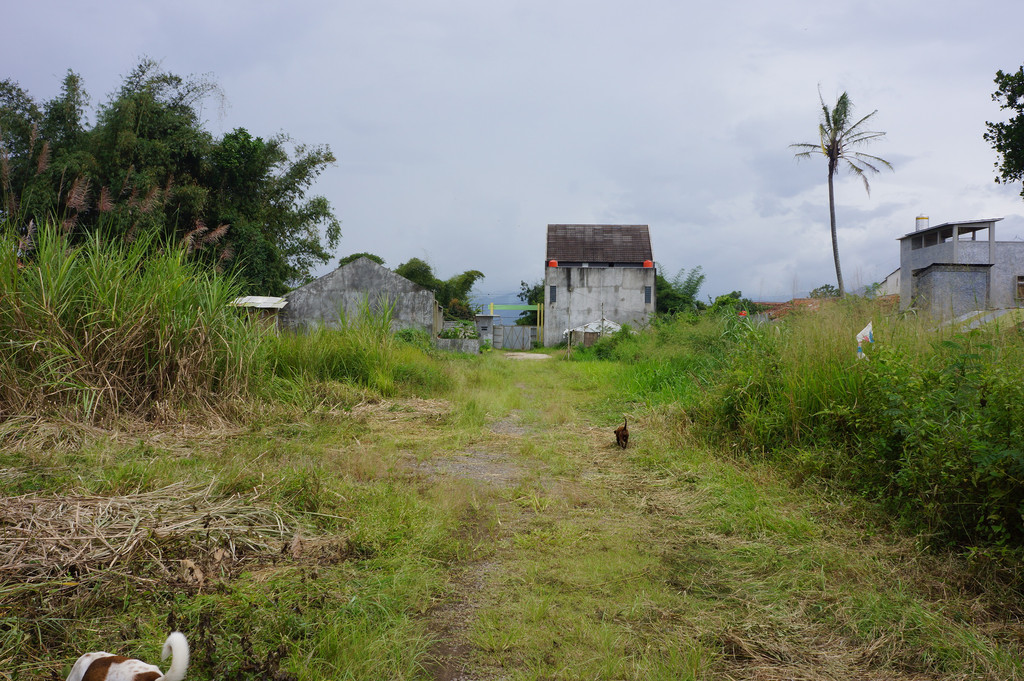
(489, 529)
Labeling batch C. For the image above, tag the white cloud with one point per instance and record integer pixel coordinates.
(462, 128)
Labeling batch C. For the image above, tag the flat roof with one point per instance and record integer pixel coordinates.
(966, 227)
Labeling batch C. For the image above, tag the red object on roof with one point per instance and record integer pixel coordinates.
(552, 263)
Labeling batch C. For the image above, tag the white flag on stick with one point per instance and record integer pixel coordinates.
(866, 334)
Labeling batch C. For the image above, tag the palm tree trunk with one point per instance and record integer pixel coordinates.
(835, 238)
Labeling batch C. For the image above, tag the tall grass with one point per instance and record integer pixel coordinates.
(361, 350)
(931, 425)
(109, 328)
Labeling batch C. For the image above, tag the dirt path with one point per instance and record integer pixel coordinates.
(663, 563)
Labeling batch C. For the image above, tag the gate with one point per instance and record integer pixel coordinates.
(517, 337)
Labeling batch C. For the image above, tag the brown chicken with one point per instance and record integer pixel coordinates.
(622, 434)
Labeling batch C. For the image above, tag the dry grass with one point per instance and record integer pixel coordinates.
(76, 539)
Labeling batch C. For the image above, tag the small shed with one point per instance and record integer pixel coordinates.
(266, 308)
(350, 288)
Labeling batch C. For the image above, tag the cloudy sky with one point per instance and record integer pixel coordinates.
(463, 127)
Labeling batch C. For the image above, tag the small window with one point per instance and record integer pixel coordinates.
(1020, 288)
(647, 295)
(552, 297)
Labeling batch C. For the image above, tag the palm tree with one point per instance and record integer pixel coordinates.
(839, 140)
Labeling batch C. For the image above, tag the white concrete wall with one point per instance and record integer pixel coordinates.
(585, 294)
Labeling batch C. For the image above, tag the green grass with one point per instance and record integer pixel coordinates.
(370, 509)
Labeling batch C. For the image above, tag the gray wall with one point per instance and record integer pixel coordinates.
(1007, 264)
(948, 291)
(345, 289)
(583, 294)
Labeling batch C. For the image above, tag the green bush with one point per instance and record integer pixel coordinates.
(930, 426)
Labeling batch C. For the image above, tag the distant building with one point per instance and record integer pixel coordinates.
(348, 289)
(265, 308)
(596, 272)
(948, 271)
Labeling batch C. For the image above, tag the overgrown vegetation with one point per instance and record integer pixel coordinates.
(108, 328)
(930, 425)
(368, 509)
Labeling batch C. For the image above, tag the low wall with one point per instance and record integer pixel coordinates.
(467, 345)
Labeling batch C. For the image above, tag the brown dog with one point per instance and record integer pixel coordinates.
(622, 434)
(107, 667)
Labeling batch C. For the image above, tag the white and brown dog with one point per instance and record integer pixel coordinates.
(107, 667)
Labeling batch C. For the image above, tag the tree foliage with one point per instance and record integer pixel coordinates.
(825, 291)
(452, 294)
(355, 256)
(148, 166)
(530, 295)
(1007, 138)
(839, 138)
(680, 293)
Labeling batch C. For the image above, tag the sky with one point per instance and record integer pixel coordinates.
(462, 128)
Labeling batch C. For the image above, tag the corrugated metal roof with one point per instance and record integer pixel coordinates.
(599, 243)
(263, 302)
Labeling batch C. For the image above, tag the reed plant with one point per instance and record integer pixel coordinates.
(110, 328)
(360, 349)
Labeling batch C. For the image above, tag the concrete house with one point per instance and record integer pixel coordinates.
(948, 271)
(344, 291)
(596, 272)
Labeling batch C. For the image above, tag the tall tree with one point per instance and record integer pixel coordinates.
(839, 139)
(148, 165)
(1008, 138)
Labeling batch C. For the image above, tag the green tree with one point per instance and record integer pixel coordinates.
(452, 294)
(530, 295)
(278, 233)
(680, 293)
(1007, 138)
(825, 291)
(839, 138)
(355, 256)
(20, 117)
(732, 303)
(148, 166)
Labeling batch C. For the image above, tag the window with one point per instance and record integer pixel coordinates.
(647, 295)
(1020, 288)
(552, 297)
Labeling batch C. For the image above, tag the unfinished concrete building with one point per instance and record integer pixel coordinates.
(948, 271)
(596, 272)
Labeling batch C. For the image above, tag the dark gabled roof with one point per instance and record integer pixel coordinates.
(599, 243)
